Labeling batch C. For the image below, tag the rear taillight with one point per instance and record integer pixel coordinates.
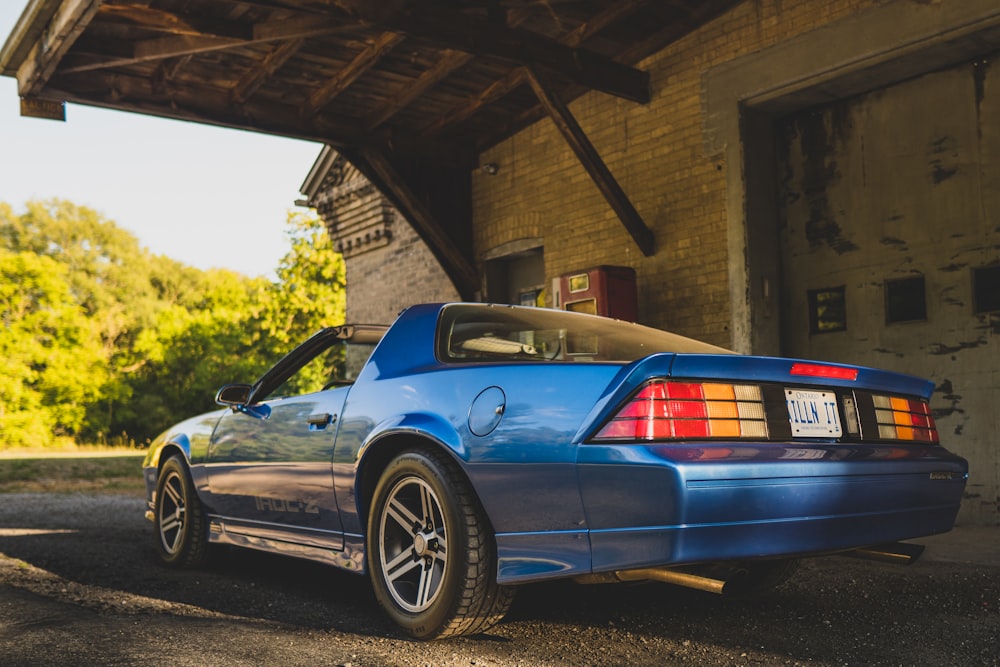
(690, 410)
(904, 419)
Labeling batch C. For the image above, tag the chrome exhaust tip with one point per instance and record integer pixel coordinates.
(898, 553)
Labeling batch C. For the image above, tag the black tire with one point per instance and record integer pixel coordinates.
(431, 551)
(179, 527)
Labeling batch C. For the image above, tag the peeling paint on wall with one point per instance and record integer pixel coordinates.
(941, 348)
(818, 136)
(903, 182)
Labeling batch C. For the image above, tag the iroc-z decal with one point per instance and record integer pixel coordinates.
(265, 504)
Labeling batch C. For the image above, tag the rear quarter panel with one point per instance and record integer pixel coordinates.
(524, 470)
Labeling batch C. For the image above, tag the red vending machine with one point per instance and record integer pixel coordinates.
(603, 290)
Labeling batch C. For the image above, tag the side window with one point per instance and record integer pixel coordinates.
(322, 371)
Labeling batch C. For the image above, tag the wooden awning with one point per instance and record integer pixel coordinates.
(411, 91)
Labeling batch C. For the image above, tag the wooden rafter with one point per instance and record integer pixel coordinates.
(496, 91)
(186, 44)
(65, 28)
(592, 162)
(255, 77)
(522, 47)
(157, 20)
(500, 88)
(361, 63)
(448, 63)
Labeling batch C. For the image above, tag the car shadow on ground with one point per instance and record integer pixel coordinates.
(106, 552)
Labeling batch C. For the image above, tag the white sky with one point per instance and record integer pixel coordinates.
(204, 195)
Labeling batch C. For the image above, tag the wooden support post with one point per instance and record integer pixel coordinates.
(592, 162)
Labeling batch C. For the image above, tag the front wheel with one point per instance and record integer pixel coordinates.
(178, 519)
(431, 552)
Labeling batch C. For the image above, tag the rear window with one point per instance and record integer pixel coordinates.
(512, 333)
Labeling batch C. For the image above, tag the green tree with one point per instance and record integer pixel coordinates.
(55, 366)
(103, 339)
(308, 296)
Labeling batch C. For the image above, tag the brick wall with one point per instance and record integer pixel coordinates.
(384, 281)
(656, 153)
(388, 267)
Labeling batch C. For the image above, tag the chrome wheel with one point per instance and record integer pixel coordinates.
(179, 524)
(430, 549)
(172, 512)
(413, 544)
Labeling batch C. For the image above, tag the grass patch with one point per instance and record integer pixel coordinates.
(106, 472)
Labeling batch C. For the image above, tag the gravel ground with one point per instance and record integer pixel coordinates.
(79, 584)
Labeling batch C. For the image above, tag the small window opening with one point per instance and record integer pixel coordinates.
(827, 310)
(986, 289)
(905, 300)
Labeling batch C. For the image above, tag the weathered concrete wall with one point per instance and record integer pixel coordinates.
(904, 182)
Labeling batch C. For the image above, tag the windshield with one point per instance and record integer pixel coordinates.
(512, 333)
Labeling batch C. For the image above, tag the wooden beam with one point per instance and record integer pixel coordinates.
(190, 44)
(671, 31)
(498, 89)
(255, 77)
(522, 47)
(449, 62)
(611, 14)
(147, 18)
(381, 172)
(361, 63)
(214, 106)
(592, 162)
(65, 27)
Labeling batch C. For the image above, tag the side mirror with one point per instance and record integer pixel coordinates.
(233, 395)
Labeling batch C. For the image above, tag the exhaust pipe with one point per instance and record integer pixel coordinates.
(899, 553)
(675, 577)
(662, 575)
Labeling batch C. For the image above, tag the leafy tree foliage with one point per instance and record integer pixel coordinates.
(102, 340)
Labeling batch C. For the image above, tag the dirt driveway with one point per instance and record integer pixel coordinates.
(79, 585)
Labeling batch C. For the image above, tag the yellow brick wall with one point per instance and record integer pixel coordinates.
(656, 153)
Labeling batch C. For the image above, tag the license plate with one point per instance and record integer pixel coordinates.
(813, 414)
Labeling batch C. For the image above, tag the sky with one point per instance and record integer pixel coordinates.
(204, 195)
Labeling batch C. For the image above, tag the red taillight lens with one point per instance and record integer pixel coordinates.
(904, 419)
(664, 410)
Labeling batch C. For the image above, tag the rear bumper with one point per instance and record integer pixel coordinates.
(646, 506)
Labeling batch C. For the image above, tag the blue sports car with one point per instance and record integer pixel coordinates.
(469, 448)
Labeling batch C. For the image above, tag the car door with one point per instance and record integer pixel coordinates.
(269, 462)
(277, 471)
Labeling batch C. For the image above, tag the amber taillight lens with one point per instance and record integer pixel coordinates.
(904, 419)
(664, 410)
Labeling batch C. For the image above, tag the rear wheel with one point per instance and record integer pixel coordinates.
(431, 552)
(178, 519)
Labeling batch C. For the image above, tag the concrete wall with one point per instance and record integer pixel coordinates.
(904, 182)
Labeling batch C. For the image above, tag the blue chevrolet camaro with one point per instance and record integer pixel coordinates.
(469, 448)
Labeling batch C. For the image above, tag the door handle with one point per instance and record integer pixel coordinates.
(320, 420)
